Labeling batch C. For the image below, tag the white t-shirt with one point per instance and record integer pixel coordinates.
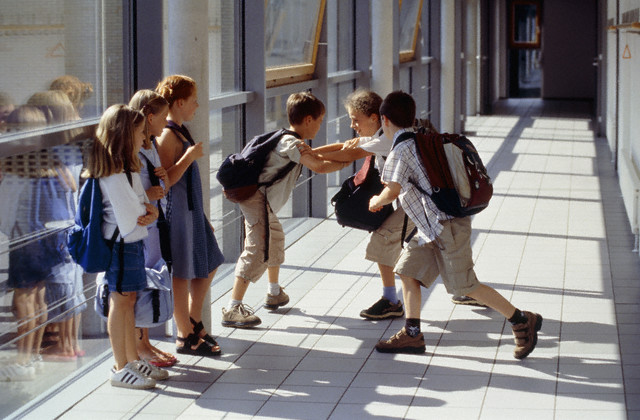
(285, 152)
(379, 145)
(122, 205)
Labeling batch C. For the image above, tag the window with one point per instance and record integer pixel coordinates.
(291, 39)
(410, 11)
(525, 24)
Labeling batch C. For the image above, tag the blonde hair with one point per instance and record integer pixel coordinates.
(113, 147)
(55, 105)
(176, 87)
(76, 90)
(148, 102)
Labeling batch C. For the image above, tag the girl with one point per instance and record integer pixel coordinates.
(114, 160)
(155, 109)
(195, 252)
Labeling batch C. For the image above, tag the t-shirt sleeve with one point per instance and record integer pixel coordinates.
(396, 168)
(127, 206)
(288, 146)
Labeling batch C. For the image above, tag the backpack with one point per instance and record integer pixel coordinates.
(460, 184)
(239, 172)
(85, 242)
(352, 201)
(154, 304)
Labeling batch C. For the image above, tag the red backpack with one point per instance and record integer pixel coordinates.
(460, 184)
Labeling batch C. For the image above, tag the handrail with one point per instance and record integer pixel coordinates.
(627, 27)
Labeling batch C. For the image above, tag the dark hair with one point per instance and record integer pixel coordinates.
(364, 101)
(400, 108)
(302, 104)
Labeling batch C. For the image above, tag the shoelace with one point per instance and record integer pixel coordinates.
(245, 309)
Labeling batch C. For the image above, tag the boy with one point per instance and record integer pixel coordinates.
(442, 244)
(384, 246)
(305, 113)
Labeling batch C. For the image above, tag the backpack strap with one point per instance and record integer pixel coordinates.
(279, 175)
(165, 241)
(182, 130)
(121, 250)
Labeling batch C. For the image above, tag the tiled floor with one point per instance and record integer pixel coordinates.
(554, 240)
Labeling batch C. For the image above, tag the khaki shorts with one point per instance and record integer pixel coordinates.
(454, 263)
(251, 264)
(385, 243)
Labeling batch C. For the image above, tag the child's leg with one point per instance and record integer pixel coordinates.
(197, 294)
(412, 296)
(181, 306)
(490, 297)
(119, 305)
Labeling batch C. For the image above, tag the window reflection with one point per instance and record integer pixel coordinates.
(409, 24)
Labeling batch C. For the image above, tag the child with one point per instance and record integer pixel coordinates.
(194, 248)
(442, 245)
(385, 242)
(305, 113)
(114, 160)
(155, 109)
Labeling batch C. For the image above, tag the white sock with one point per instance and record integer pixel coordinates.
(233, 302)
(274, 289)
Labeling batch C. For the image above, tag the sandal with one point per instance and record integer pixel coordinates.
(197, 327)
(204, 349)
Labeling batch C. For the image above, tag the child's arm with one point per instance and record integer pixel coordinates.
(345, 155)
(321, 166)
(390, 192)
(171, 157)
(150, 216)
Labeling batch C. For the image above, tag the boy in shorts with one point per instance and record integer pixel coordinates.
(442, 244)
(305, 113)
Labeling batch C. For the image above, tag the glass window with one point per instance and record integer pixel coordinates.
(292, 31)
(409, 24)
(224, 60)
(54, 85)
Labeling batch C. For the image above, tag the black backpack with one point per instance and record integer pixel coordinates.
(239, 172)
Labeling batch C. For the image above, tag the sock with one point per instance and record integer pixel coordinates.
(274, 289)
(390, 293)
(233, 302)
(412, 326)
(518, 317)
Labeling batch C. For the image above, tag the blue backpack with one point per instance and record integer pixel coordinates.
(239, 172)
(85, 242)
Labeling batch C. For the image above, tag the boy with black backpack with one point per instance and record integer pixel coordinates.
(442, 244)
(264, 241)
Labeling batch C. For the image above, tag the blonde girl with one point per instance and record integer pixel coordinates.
(114, 161)
(155, 110)
(194, 249)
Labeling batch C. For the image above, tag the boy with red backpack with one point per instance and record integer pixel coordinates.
(442, 244)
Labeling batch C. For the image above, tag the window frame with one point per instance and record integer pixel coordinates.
(409, 55)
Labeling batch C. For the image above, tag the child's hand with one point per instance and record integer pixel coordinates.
(195, 151)
(161, 173)
(304, 148)
(155, 193)
(152, 214)
(351, 144)
(373, 204)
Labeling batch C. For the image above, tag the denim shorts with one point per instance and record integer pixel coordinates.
(134, 276)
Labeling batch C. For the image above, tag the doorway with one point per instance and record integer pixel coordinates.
(525, 71)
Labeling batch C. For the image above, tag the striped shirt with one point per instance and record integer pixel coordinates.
(404, 167)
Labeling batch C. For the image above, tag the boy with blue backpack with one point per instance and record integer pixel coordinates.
(442, 245)
(264, 241)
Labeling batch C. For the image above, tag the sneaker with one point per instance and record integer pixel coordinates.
(239, 316)
(273, 302)
(526, 335)
(16, 372)
(383, 309)
(466, 300)
(130, 377)
(37, 362)
(402, 342)
(151, 371)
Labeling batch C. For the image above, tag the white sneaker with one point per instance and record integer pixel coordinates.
(154, 372)
(37, 363)
(129, 377)
(15, 372)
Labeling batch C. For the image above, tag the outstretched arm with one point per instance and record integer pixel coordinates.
(390, 192)
(321, 166)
